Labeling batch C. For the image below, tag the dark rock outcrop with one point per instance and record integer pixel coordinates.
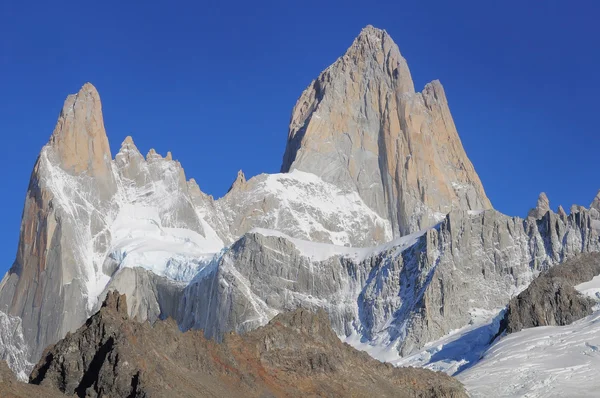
(551, 299)
(296, 354)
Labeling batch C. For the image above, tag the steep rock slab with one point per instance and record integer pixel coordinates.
(297, 354)
(361, 126)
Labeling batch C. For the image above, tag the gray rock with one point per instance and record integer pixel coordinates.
(152, 296)
(551, 298)
(542, 207)
(406, 294)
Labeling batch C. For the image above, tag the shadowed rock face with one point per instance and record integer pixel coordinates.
(296, 354)
(361, 125)
(551, 298)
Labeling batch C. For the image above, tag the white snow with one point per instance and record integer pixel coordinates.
(475, 212)
(451, 354)
(139, 240)
(550, 361)
(322, 251)
(304, 206)
(590, 288)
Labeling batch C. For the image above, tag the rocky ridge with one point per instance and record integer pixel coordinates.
(551, 299)
(296, 354)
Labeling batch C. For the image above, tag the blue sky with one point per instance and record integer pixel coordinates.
(214, 82)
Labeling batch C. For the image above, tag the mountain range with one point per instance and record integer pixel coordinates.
(378, 218)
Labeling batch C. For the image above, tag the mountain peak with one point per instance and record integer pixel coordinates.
(370, 32)
(79, 138)
(361, 126)
(239, 183)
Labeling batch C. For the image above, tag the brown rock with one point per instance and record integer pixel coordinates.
(295, 355)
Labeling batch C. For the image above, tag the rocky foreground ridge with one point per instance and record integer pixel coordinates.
(295, 355)
(551, 299)
(396, 242)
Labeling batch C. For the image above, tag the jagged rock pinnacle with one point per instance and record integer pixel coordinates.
(128, 141)
(596, 202)
(239, 183)
(562, 213)
(542, 207)
(116, 302)
(79, 138)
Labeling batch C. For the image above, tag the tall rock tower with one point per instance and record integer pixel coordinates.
(63, 236)
(361, 126)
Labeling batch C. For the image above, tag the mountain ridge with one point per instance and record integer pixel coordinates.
(394, 270)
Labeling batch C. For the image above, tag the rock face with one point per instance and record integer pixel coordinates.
(361, 126)
(404, 294)
(551, 299)
(297, 354)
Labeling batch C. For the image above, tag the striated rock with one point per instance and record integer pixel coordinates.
(562, 214)
(551, 299)
(361, 126)
(297, 354)
(542, 207)
(367, 159)
(404, 294)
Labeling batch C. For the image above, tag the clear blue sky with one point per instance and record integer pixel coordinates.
(215, 81)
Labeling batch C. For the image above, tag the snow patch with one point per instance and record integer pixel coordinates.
(322, 251)
(590, 288)
(549, 361)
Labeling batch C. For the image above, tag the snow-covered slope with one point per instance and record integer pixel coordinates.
(550, 361)
(302, 206)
